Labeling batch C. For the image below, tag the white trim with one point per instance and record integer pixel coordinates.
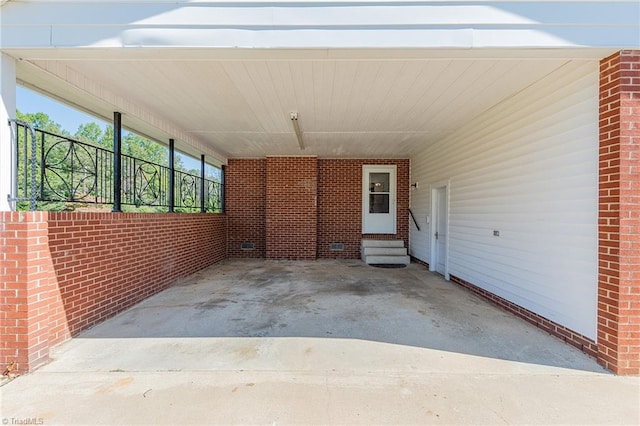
(459, 24)
(432, 227)
(7, 111)
(393, 194)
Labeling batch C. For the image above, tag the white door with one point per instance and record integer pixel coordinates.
(439, 230)
(378, 199)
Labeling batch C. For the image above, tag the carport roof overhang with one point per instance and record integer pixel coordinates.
(368, 79)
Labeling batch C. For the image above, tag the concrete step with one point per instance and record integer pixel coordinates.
(382, 243)
(384, 251)
(394, 260)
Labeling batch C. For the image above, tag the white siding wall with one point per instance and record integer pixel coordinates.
(528, 168)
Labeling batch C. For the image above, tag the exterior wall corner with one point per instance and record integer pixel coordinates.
(63, 272)
(619, 214)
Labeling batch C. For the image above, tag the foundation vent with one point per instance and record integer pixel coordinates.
(246, 245)
(337, 247)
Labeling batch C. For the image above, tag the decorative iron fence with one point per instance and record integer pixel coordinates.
(51, 168)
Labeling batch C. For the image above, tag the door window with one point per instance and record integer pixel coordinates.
(379, 192)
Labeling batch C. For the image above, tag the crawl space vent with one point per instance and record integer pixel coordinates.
(337, 246)
(246, 245)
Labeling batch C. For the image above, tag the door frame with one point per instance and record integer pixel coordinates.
(392, 169)
(443, 185)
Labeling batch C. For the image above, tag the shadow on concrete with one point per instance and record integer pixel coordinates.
(257, 299)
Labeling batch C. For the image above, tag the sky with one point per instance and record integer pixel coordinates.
(28, 101)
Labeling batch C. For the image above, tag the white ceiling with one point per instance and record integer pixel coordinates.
(386, 106)
(368, 78)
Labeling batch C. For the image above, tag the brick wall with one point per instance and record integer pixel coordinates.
(291, 207)
(338, 212)
(340, 205)
(27, 290)
(245, 205)
(619, 214)
(64, 272)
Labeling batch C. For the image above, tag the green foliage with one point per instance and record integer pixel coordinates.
(71, 167)
(25, 152)
(93, 133)
(41, 121)
(139, 147)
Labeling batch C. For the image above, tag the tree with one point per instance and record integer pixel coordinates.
(84, 171)
(53, 182)
(42, 121)
(90, 133)
(148, 150)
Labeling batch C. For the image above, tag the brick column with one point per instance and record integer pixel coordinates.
(245, 198)
(619, 214)
(292, 212)
(27, 290)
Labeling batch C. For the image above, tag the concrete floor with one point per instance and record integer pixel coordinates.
(318, 342)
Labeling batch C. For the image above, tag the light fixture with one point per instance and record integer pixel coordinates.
(296, 127)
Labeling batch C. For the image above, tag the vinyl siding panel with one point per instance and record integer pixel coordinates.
(528, 167)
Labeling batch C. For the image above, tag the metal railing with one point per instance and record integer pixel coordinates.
(23, 168)
(415, 222)
(52, 168)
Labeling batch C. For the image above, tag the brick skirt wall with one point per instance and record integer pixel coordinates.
(569, 336)
(63, 272)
